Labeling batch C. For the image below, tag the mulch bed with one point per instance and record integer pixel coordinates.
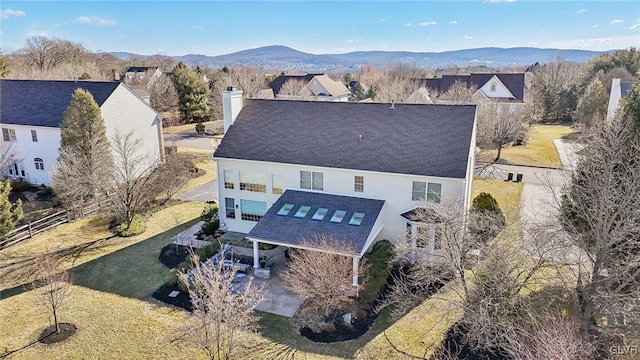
(454, 344)
(182, 300)
(173, 255)
(50, 336)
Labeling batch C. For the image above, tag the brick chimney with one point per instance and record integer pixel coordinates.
(231, 106)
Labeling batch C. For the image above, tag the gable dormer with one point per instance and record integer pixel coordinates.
(495, 88)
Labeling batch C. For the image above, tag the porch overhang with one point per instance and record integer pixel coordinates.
(304, 221)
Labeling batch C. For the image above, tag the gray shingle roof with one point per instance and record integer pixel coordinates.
(513, 81)
(276, 84)
(291, 230)
(43, 102)
(430, 140)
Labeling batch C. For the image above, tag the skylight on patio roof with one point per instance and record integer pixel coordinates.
(320, 214)
(303, 211)
(285, 209)
(338, 216)
(356, 218)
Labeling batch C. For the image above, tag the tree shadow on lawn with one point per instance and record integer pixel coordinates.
(22, 266)
(133, 271)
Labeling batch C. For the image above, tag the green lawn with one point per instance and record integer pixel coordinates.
(134, 271)
(540, 149)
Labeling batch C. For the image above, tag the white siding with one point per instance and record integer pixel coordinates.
(501, 91)
(124, 112)
(395, 189)
(26, 150)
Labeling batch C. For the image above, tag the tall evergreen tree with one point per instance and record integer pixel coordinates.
(9, 213)
(592, 107)
(193, 93)
(85, 160)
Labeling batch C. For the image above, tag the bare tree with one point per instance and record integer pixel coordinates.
(8, 156)
(133, 183)
(222, 308)
(249, 79)
(321, 272)
(292, 88)
(499, 125)
(601, 213)
(164, 97)
(173, 174)
(486, 281)
(52, 285)
(458, 93)
(41, 52)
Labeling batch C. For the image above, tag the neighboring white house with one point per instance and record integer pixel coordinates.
(318, 87)
(619, 90)
(501, 87)
(290, 170)
(31, 112)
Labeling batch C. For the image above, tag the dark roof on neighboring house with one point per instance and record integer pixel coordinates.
(513, 81)
(422, 215)
(292, 230)
(43, 102)
(430, 140)
(141, 68)
(624, 88)
(276, 84)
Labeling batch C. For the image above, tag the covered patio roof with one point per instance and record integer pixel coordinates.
(302, 215)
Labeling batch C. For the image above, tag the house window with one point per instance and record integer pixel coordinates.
(34, 136)
(9, 135)
(493, 87)
(276, 184)
(311, 180)
(39, 163)
(358, 184)
(228, 179)
(252, 210)
(230, 208)
(419, 190)
(434, 192)
(251, 181)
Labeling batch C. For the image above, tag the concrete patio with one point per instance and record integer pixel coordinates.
(277, 299)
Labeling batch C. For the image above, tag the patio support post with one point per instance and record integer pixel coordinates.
(414, 241)
(356, 263)
(256, 255)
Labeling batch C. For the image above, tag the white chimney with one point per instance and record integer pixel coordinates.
(231, 106)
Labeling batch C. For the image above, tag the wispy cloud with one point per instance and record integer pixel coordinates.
(354, 40)
(501, 1)
(581, 11)
(5, 14)
(408, 24)
(428, 23)
(617, 21)
(597, 44)
(468, 37)
(453, 22)
(96, 20)
(634, 26)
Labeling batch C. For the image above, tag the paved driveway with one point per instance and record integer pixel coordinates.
(204, 193)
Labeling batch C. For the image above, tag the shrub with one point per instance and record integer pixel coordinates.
(172, 278)
(208, 251)
(210, 218)
(200, 128)
(137, 226)
(21, 186)
(487, 219)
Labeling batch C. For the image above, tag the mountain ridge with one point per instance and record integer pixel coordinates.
(280, 57)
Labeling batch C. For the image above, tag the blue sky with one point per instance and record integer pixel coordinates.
(322, 27)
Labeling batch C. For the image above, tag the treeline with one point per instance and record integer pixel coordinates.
(557, 89)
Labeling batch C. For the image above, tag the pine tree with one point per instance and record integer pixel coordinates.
(193, 93)
(9, 213)
(85, 160)
(592, 107)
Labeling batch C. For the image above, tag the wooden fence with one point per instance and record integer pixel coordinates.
(49, 222)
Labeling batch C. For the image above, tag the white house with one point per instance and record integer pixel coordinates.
(619, 90)
(501, 87)
(31, 112)
(317, 87)
(293, 170)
